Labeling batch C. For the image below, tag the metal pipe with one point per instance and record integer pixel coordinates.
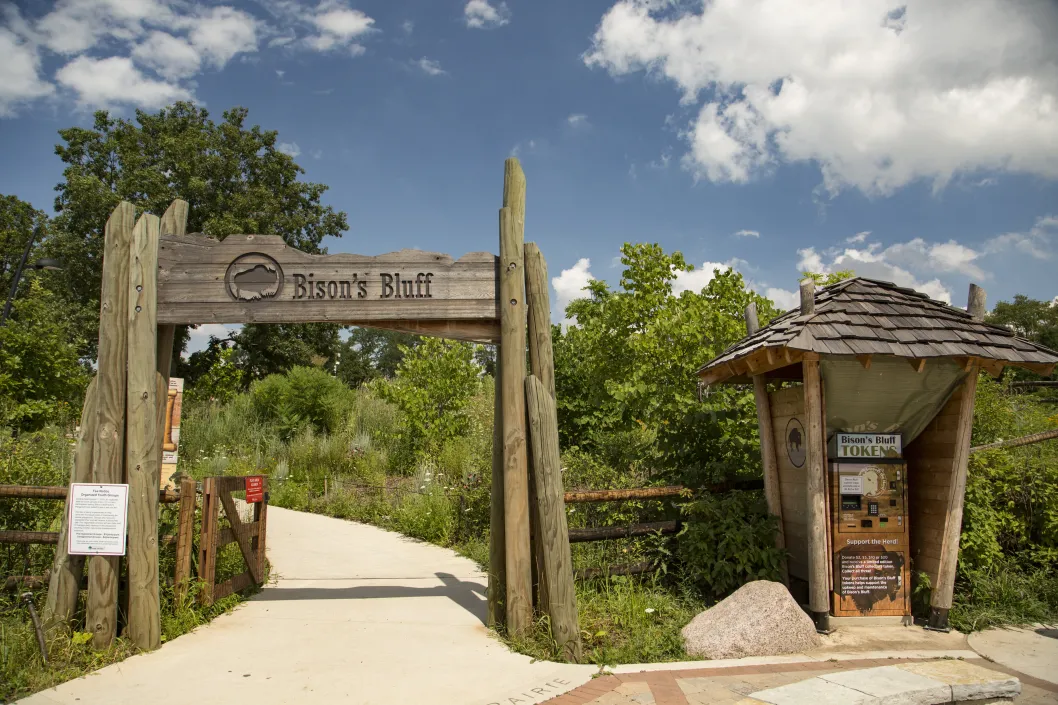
(18, 274)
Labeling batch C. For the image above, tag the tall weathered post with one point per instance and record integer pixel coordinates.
(64, 585)
(767, 445)
(815, 478)
(174, 222)
(944, 590)
(108, 448)
(512, 370)
(143, 437)
(497, 591)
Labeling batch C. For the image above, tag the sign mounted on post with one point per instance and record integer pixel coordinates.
(254, 489)
(259, 279)
(98, 519)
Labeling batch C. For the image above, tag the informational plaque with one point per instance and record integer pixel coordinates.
(171, 430)
(851, 484)
(254, 489)
(98, 519)
(868, 446)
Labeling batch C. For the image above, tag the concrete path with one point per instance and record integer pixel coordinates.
(358, 615)
(1033, 651)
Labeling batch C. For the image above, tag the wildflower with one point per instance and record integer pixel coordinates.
(649, 610)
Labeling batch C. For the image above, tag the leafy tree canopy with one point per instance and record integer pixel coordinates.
(233, 176)
(18, 220)
(1029, 318)
(628, 365)
(369, 353)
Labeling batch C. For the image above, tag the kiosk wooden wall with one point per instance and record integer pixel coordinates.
(787, 405)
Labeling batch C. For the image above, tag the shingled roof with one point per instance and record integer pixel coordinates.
(868, 317)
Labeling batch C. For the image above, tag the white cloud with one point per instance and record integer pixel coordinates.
(431, 67)
(116, 81)
(859, 237)
(221, 33)
(569, 285)
(317, 154)
(699, 277)
(783, 298)
(280, 73)
(480, 14)
(74, 26)
(747, 233)
(578, 120)
(407, 26)
(339, 25)
(523, 148)
(871, 262)
(1036, 242)
(172, 57)
(20, 79)
(877, 93)
(291, 149)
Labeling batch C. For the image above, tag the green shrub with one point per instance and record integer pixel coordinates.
(304, 396)
(728, 540)
(1005, 595)
(428, 516)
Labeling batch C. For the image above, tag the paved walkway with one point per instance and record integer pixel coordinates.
(1033, 651)
(358, 615)
(363, 616)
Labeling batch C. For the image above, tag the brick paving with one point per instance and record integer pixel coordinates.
(729, 686)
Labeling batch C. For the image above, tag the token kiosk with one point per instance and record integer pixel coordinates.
(869, 526)
(865, 400)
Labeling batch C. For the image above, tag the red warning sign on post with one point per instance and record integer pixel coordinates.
(254, 488)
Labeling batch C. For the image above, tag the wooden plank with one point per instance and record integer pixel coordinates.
(232, 585)
(512, 348)
(174, 222)
(471, 331)
(625, 495)
(66, 570)
(259, 279)
(553, 539)
(60, 491)
(108, 448)
(239, 529)
(185, 535)
(611, 533)
(815, 491)
(226, 535)
(945, 586)
(497, 590)
(767, 445)
(259, 542)
(27, 537)
(207, 561)
(542, 366)
(142, 452)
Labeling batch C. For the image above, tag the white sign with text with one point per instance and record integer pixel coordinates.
(98, 519)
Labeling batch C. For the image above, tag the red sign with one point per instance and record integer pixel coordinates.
(254, 488)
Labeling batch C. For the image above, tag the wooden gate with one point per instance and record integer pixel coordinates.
(216, 494)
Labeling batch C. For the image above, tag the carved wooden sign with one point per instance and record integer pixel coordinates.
(259, 279)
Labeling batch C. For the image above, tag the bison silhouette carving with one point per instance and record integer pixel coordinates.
(254, 276)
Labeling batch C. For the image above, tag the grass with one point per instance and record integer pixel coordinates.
(1004, 597)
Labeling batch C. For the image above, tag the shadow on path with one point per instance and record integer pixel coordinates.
(468, 595)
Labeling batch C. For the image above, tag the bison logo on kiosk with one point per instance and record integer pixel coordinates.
(795, 443)
(254, 276)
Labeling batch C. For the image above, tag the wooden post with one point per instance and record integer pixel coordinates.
(542, 366)
(497, 551)
(943, 591)
(108, 448)
(142, 455)
(64, 584)
(512, 351)
(207, 541)
(808, 296)
(767, 446)
(184, 535)
(553, 539)
(815, 491)
(537, 295)
(174, 222)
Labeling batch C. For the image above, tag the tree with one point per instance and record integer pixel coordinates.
(1029, 318)
(234, 178)
(18, 221)
(42, 379)
(369, 353)
(628, 364)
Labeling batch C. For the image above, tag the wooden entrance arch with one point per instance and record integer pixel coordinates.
(156, 276)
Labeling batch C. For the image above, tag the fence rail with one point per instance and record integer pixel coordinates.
(59, 492)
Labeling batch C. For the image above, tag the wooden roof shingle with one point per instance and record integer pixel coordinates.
(866, 316)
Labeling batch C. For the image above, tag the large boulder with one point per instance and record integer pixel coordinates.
(758, 619)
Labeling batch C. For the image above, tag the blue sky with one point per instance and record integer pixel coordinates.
(910, 141)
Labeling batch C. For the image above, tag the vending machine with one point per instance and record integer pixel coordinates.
(869, 535)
